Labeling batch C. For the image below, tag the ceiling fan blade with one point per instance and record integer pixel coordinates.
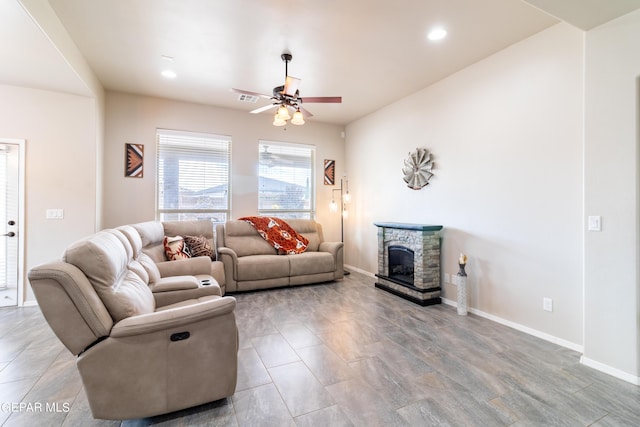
(305, 113)
(322, 99)
(246, 92)
(291, 86)
(261, 109)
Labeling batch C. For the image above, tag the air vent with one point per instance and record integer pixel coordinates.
(243, 97)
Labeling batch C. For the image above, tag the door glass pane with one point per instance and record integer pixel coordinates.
(9, 172)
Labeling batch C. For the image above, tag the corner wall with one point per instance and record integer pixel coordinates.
(506, 138)
(612, 296)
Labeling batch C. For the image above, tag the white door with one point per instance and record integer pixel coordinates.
(10, 195)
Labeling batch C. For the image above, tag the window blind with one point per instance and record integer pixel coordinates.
(286, 180)
(193, 171)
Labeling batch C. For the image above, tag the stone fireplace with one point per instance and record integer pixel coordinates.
(409, 261)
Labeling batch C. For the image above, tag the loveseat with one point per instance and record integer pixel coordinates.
(145, 344)
(251, 263)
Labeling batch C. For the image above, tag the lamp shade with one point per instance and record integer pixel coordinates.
(298, 118)
(283, 113)
(277, 121)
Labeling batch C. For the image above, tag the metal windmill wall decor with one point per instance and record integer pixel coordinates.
(417, 169)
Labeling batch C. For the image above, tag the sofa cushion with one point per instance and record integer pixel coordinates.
(311, 263)
(150, 266)
(156, 251)
(151, 232)
(135, 242)
(103, 258)
(310, 229)
(245, 240)
(261, 267)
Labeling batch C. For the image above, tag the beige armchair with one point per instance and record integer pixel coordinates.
(136, 358)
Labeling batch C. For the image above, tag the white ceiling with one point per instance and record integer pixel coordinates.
(369, 53)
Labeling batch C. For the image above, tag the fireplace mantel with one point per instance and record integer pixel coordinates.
(424, 243)
(405, 226)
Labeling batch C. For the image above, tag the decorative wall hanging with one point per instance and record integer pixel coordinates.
(417, 169)
(134, 156)
(329, 172)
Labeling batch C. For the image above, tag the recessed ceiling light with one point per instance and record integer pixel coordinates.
(437, 34)
(169, 74)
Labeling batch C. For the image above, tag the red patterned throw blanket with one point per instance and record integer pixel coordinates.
(279, 234)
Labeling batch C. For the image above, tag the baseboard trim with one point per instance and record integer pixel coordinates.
(521, 328)
(610, 371)
(358, 270)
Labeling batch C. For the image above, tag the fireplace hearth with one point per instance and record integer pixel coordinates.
(409, 261)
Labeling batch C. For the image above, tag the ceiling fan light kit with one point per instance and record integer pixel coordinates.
(288, 96)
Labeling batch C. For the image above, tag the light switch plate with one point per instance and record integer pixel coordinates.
(595, 223)
(55, 214)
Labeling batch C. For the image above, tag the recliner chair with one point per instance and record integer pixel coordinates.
(136, 358)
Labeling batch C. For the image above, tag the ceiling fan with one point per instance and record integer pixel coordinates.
(287, 97)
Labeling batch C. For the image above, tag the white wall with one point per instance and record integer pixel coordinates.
(60, 133)
(612, 328)
(506, 137)
(134, 119)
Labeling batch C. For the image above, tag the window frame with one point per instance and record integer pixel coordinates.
(178, 134)
(309, 213)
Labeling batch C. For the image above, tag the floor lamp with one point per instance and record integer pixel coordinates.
(345, 198)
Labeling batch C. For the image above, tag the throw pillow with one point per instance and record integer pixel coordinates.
(199, 246)
(175, 248)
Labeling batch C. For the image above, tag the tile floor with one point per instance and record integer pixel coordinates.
(342, 354)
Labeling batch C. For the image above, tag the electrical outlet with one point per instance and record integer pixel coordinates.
(547, 304)
(447, 278)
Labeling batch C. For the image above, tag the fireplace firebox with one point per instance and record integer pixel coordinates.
(400, 263)
(409, 261)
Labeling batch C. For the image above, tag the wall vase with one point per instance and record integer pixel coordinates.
(462, 291)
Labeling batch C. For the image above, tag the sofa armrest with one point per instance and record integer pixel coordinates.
(185, 267)
(331, 247)
(175, 283)
(223, 250)
(173, 318)
(229, 259)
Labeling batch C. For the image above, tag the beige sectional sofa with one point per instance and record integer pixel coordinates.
(154, 336)
(244, 260)
(140, 351)
(250, 262)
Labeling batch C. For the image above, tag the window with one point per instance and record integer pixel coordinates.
(286, 184)
(192, 176)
